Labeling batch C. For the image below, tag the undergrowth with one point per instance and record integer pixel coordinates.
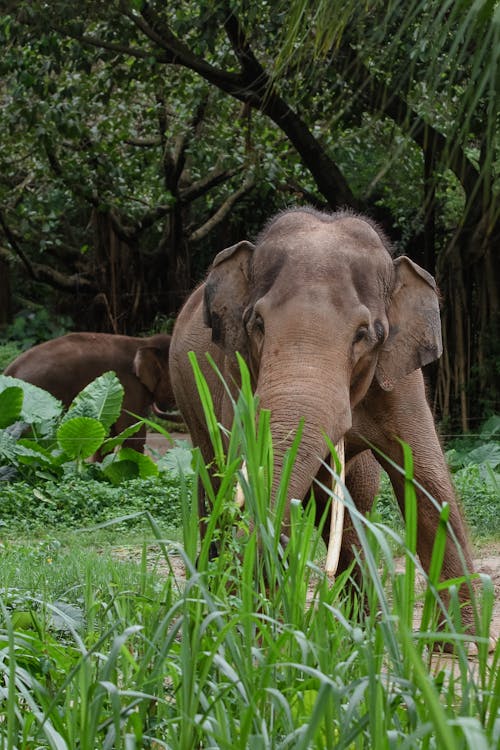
(73, 503)
(257, 648)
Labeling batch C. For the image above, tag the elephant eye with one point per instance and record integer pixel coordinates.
(360, 335)
(259, 322)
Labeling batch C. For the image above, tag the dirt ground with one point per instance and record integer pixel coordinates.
(486, 554)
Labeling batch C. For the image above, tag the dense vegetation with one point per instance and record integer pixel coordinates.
(139, 139)
(256, 648)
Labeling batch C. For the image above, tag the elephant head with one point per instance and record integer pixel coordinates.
(151, 368)
(320, 311)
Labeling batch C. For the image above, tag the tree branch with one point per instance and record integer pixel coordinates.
(252, 85)
(12, 240)
(222, 212)
(202, 186)
(45, 274)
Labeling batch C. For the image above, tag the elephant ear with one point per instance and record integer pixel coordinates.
(414, 337)
(226, 297)
(148, 367)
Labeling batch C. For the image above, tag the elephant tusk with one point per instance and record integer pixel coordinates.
(337, 518)
(239, 497)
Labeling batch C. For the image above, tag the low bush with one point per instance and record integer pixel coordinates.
(9, 350)
(40, 439)
(72, 502)
(475, 465)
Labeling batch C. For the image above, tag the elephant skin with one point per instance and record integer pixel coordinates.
(333, 330)
(64, 366)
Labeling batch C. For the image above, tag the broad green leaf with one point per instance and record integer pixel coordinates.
(145, 464)
(80, 437)
(101, 399)
(491, 428)
(487, 453)
(11, 404)
(178, 460)
(128, 464)
(111, 443)
(119, 471)
(32, 453)
(8, 448)
(38, 405)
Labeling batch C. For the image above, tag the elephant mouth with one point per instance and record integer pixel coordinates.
(336, 512)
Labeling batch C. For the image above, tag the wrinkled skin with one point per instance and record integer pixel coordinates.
(65, 365)
(333, 330)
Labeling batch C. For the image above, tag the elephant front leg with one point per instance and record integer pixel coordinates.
(457, 560)
(431, 472)
(404, 415)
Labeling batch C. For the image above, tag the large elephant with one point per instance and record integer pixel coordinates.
(65, 365)
(333, 330)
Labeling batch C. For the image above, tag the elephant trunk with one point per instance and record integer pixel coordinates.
(308, 390)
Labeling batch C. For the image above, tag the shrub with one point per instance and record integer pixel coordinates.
(74, 502)
(59, 440)
(9, 350)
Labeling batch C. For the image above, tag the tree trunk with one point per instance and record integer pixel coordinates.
(5, 294)
(467, 385)
(120, 306)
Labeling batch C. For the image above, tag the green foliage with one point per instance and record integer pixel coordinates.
(101, 400)
(31, 327)
(256, 648)
(475, 464)
(9, 350)
(75, 502)
(57, 442)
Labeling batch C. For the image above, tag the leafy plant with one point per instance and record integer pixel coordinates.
(57, 441)
(79, 501)
(9, 350)
(475, 464)
(31, 327)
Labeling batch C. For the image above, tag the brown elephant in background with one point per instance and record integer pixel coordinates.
(64, 366)
(333, 330)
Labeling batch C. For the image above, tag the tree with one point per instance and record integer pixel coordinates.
(107, 192)
(389, 109)
(421, 65)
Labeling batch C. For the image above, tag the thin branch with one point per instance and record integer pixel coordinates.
(123, 49)
(45, 274)
(222, 211)
(143, 142)
(205, 184)
(12, 240)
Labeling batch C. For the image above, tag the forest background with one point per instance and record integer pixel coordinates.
(139, 139)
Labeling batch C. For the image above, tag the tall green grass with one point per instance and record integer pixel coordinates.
(257, 648)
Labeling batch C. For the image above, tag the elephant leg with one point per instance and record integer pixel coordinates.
(415, 426)
(458, 558)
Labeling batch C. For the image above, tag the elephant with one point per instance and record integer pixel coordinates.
(334, 330)
(65, 365)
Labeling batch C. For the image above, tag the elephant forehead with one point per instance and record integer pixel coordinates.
(315, 227)
(322, 262)
(302, 238)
